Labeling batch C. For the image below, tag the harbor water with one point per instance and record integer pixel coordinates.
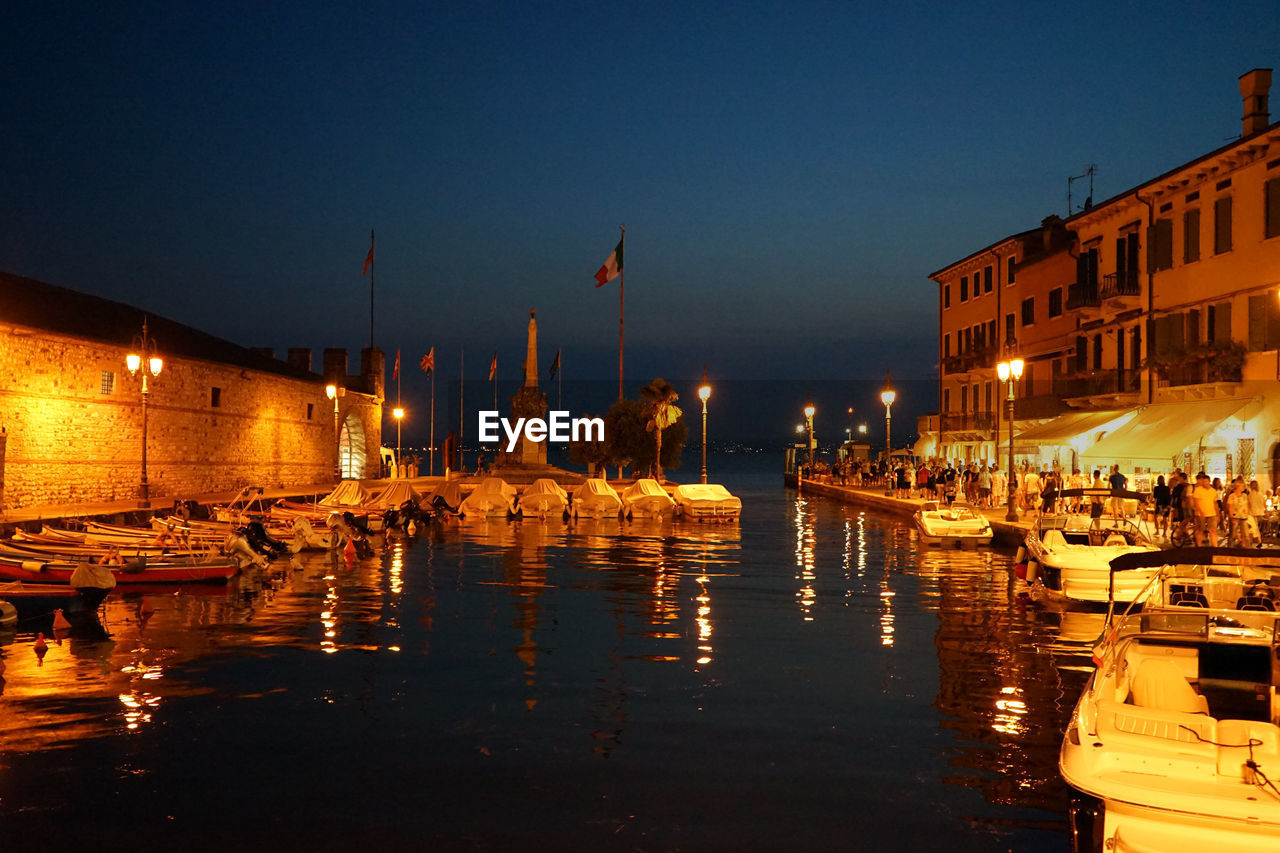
(812, 678)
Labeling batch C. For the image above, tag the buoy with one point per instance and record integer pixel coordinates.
(350, 551)
(1022, 554)
(411, 529)
(41, 647)
(60, 622)
(1033, 571)
(1020, 571)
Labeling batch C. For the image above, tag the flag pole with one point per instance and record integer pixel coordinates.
(622, 286)
(432, 454)
(560, 379)
(462, 389)
(373, 272)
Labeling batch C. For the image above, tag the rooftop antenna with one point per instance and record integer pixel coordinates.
(1090, 169)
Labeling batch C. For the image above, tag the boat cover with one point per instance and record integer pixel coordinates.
(596, 499)
(348, 493)
(646, 498)
(543, 496)
(706, 499)
(494, 496)
(449, 493)
(394, 496)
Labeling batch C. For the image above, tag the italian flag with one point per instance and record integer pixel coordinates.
(611, 268)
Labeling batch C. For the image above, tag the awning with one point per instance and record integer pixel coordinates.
(1160, 431)
(1064, 428)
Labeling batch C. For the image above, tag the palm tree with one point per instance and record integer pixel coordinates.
(660, 412)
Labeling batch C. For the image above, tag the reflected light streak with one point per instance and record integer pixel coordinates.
(805, 558)
(1009, 712)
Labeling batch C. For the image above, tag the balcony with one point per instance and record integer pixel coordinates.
(968, 422)
(1093, 384)
(975, 359)
(1119, 284)
(1082, 295)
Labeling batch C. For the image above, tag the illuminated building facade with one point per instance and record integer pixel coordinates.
(220, 416)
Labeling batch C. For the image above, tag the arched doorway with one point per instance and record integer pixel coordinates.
(351, 449)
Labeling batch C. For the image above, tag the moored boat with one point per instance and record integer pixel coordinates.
(645, 498)
(138, 572)
(1175, 742)
(958, 526)
(543, 498)
(706, 502)
(494, 497)
(595, 498)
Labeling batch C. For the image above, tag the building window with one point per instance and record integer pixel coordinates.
(964, 398)
(946, 345)
(1191, 236)
(215, 397)
(1009, 328)
(1159, 246)
(310, 410)
(1012, 266)
(946, 296)
(1272, 203)
(1055, 302)
(964, 288)
(108, 382)
(989, 409)
(1135, 347)
(1028, 311)
(986, 280)
(1222, 225)
(946, 399)
(1219, 320)
(1097, 352)
(1082, 354)
(991, 332)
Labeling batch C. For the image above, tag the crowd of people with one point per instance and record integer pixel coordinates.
(1183, 510)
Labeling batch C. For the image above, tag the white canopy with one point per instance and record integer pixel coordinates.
(1162, 430)
(1062, 429)
(348, 493)
(394, 496)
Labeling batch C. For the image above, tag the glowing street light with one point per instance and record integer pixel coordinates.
(809, 412)
(704, 393)
(1010, 371)
(398, 414)
(333, 392)
(144, 349)
(887, 396)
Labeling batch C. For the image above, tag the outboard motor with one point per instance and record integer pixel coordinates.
(355, 523)
(259, 541)
(238, 548)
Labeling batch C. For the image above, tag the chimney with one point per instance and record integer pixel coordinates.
(1253, 90)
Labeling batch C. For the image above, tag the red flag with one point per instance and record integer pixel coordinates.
(395, 374)
(368, 259)
(428, 362)
(493, 367)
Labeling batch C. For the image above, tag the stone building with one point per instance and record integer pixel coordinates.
(219, 416)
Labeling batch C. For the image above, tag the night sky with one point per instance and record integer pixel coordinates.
(789, 173)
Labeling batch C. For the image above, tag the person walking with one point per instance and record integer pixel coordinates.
(1163, 496)
(1238, 512)
(1257, 509)
(1117, 482)
(1204, 506)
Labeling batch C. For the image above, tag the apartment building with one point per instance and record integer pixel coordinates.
(1149, 323)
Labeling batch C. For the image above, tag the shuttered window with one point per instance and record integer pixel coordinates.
(1222, 225)
(1191, 236)
(1272, 200)
(1160, 245)
(1264, 322)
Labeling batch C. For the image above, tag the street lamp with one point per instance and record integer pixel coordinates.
(1010, 371)
(809, 412)
(144, 349)
(887, 396)
(704, 392)
(398, 414)
(333, 392)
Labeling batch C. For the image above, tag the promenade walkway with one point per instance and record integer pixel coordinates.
(1007, 533)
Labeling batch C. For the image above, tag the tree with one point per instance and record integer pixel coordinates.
(660, 412)
(590, 453)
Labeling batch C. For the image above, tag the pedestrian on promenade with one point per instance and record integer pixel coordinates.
(1204, 504)
(1257, 508)
(1179, 495)
(1164, 505)
(1075, 481)
(998, 485)
(1096, 502)
(984, 486)
(1031, 490)
(1238, 512)
(1117, 483)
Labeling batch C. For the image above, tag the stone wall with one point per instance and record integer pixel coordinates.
(72, 416)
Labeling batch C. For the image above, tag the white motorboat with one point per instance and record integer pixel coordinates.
(1174, 743)
(595, 498)
(494, 497)
(645, 498)
(957, 526)
(445, 500)
(543, 498)
(706, 502)
(1069, 556)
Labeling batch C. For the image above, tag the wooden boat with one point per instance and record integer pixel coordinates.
(646, 498)
(957, 526)
(60, 571)
(1175, 742)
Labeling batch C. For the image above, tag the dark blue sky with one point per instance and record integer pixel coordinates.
(789, 173)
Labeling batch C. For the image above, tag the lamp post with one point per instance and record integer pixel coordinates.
(1010, 371)
(704, 392)
(809, 412)
(333, 392)
(887, 396)
(398, 414)
(143, 358)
